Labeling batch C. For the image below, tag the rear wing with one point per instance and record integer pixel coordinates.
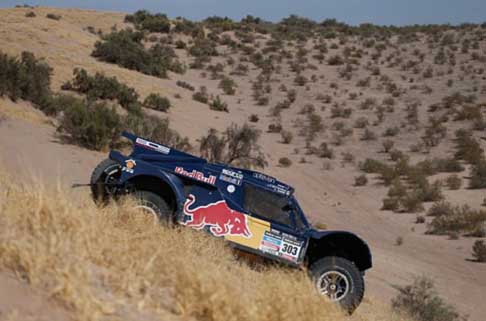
(147, 149)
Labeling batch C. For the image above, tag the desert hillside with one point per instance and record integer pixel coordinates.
(379, 129)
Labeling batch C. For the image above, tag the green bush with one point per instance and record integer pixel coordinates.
(287, 136)
(371, 166)
(218, 105)
(285, 162)
(479, 251)
(467, 147)
(94, 126)
(360, 180)
(237, 145)
(125, 49)
(157, 102)
(201, 95)
(27, 78)
(228, 86)
(101, 87)
(454, 182)
(155, 129)
(478, 175)
(463, 219)
(143, 20)
(421, 302)
(185, 85)
(53, 16)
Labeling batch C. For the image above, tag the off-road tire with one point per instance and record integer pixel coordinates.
(350, 301)
(155, 205)
(100, 191)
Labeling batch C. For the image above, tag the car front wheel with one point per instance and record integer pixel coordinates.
(339, 280)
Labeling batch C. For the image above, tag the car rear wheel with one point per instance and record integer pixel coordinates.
(152, 204)
(103, 180)
(339, 280)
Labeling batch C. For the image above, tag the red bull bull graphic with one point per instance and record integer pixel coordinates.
(222, 220)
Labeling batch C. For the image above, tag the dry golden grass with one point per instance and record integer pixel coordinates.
(115, 263)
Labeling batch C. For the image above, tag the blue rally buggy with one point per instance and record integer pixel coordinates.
(254, 212)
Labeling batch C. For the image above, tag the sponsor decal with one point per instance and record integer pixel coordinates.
(279, 188)
(270, 243)
(264, 177)
(129, 166)
(153, 146)
(221, 219)
(281, 244)
(199, 176)
(231, 189)
(232, 177)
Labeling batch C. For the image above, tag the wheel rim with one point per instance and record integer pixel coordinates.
(148, 210)
(112, 175)
(334, 285)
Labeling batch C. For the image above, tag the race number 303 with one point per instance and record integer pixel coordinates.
(289, 249)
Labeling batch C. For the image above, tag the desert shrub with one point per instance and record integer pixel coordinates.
(360, 180)
(467, 147)
(399, 241)
(228, 86)
(340, 112)
(463, 219)
(361, 122)
(368, 135)
(93, 126)
(53, 16)
(287, 136)
(335, 60)
(441, 208)
(144, 20)
(429, 192)
(453, 182)
(388, 145)
(371, 166)
(479, 251)
(157, 102)
(125, 49)
(412, 202)
(203, 47)
(101, 87)
(391, 131)
(155, 129)
(390, 204)
(301, 80)
(26, 78)
(478, 175)
(218, 105)
(314, 126)
(253, 118)
(30, 14)
(274, 128)
(236, 146)
(185, 85)
(324, 151)
(285, 162)
(421, 302)
(201, 95)
(420, 219)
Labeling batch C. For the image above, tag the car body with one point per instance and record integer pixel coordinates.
(254, 212)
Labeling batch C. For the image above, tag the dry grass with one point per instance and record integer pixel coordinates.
(113, 263)
(104, 262)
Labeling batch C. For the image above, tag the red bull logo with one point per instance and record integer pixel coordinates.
(221, 219)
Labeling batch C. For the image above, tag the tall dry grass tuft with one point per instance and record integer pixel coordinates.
(117, 262)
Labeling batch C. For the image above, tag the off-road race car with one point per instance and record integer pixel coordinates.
(254, 212)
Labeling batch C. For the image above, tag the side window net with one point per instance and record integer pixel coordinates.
(266, 204)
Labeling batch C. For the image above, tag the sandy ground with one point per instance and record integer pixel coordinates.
(29, 148)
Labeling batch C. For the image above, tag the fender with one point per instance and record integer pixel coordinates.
(339, 242)
(146, 169)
